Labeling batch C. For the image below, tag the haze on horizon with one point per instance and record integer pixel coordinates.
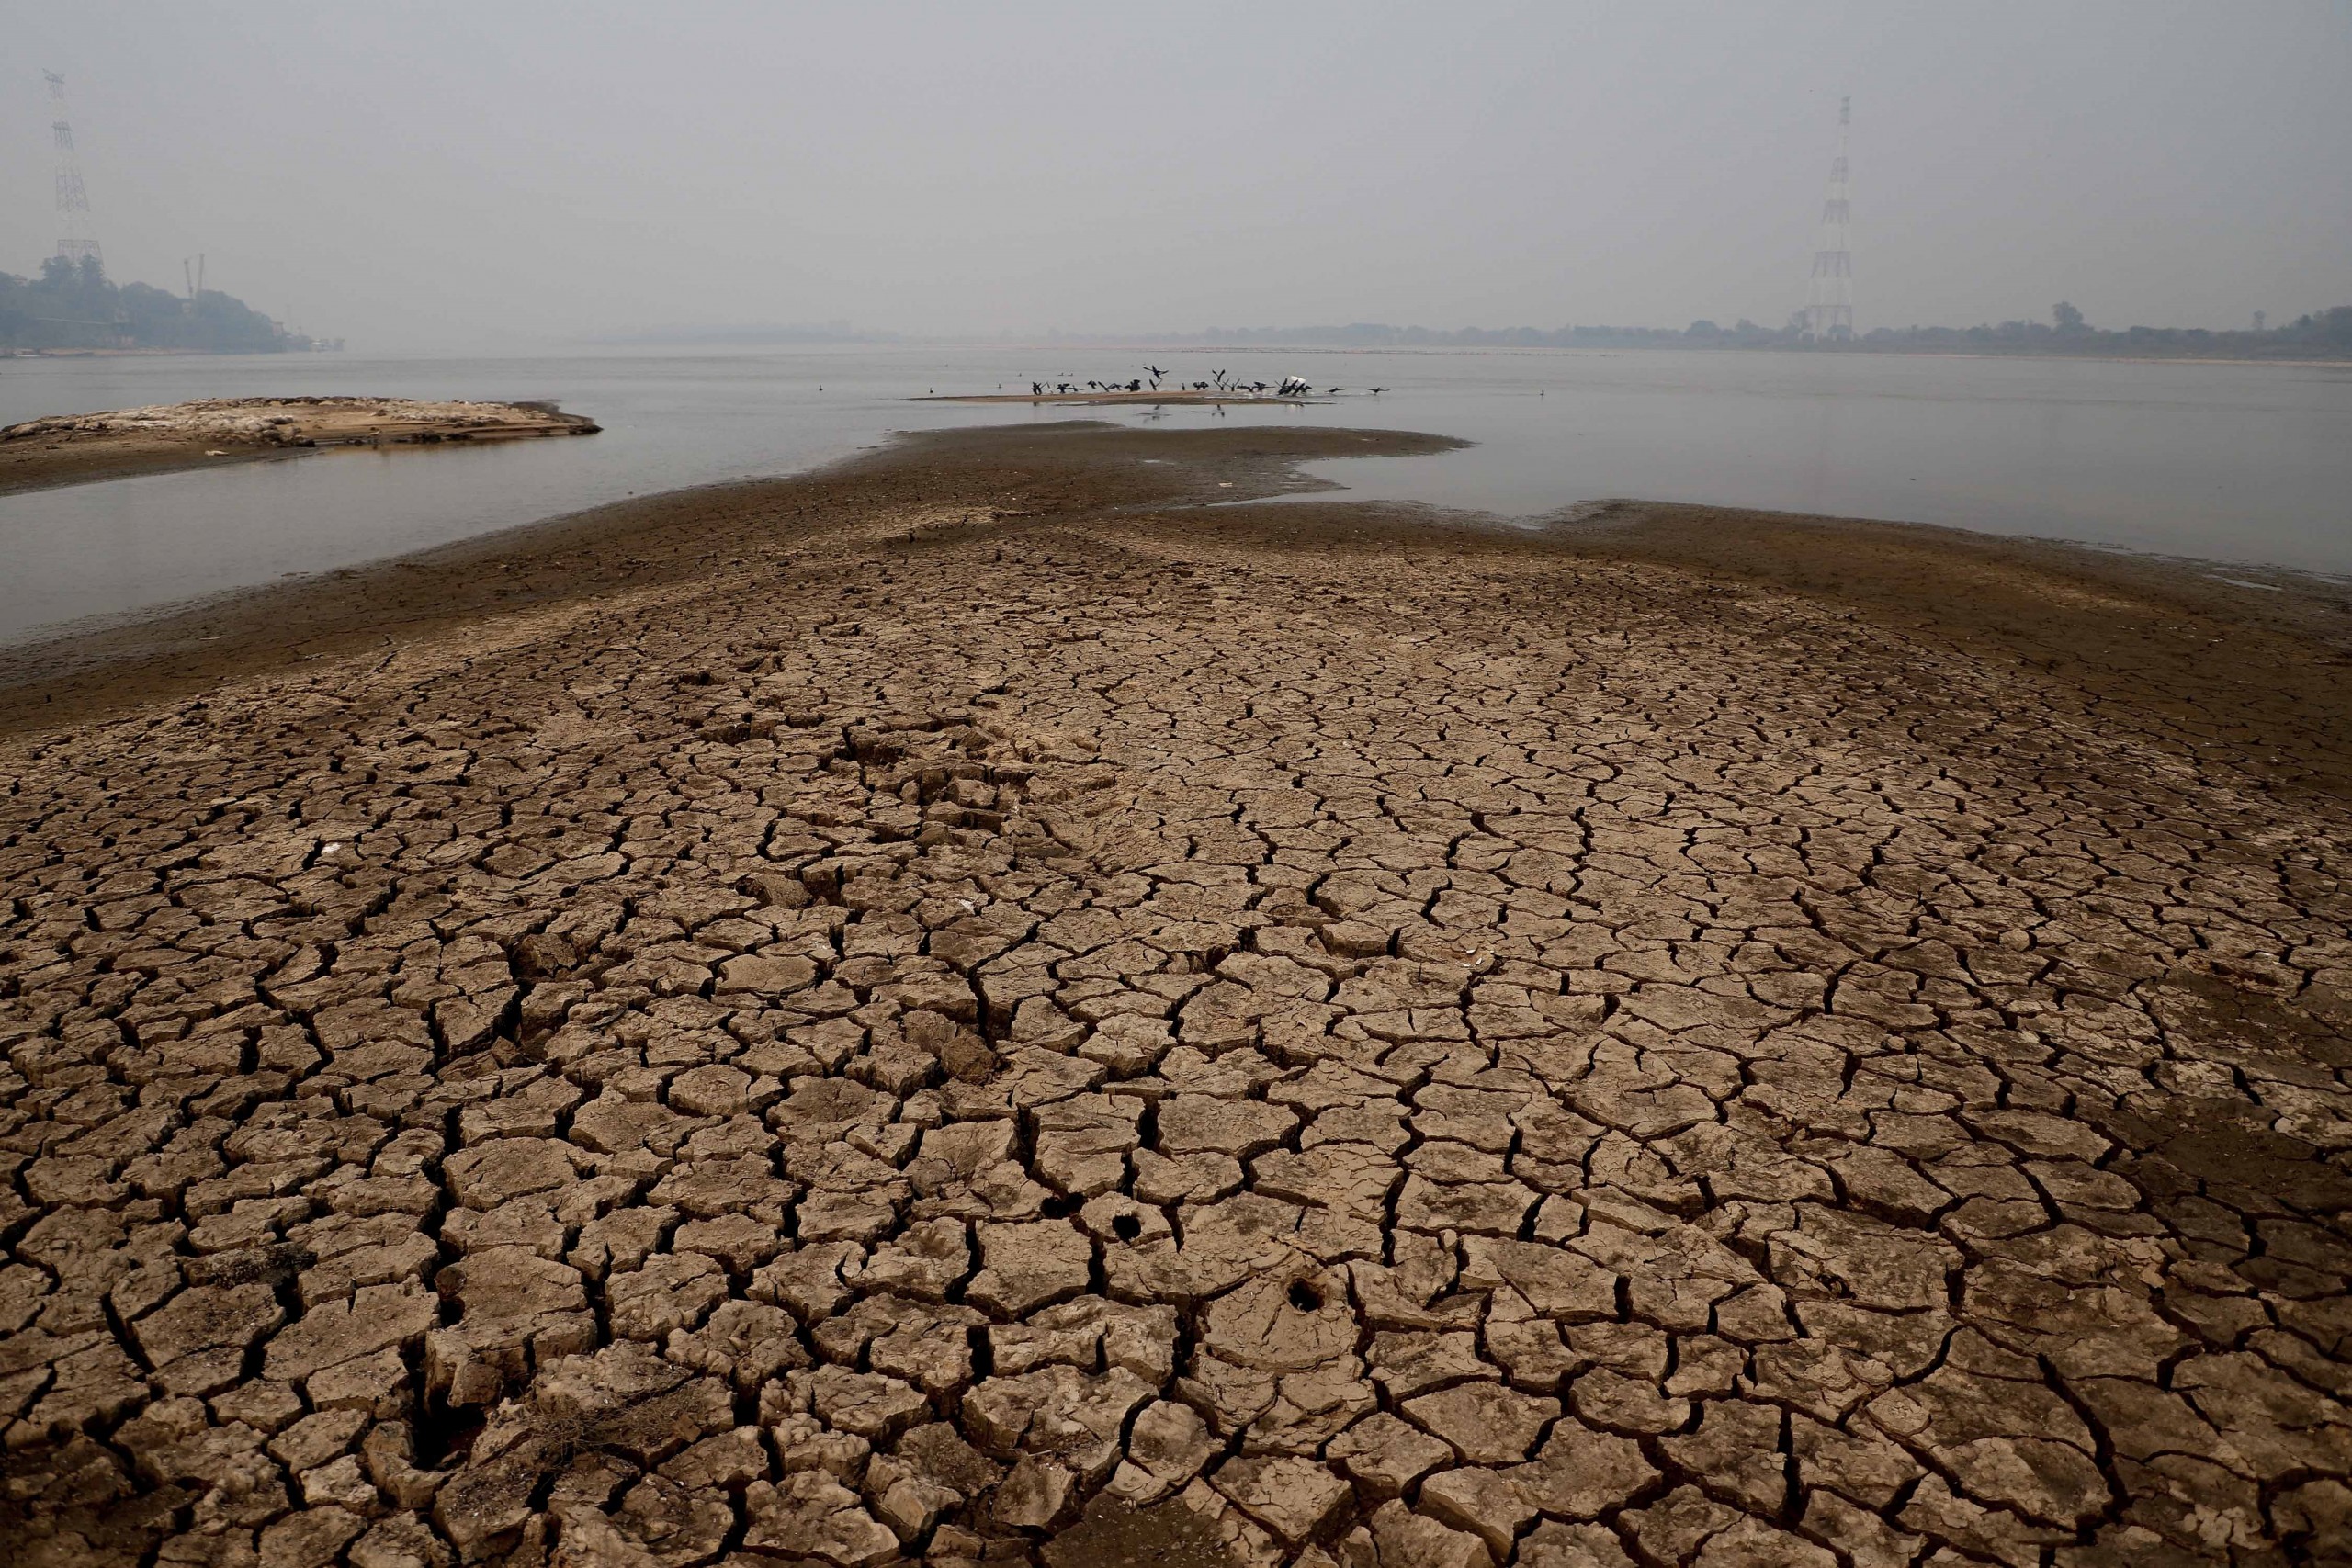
(436, 175)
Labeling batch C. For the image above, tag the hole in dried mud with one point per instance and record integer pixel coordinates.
(1305, 1296)
(442, 1432)
(1126, 1227)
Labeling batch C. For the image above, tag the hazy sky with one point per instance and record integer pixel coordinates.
(452, 173)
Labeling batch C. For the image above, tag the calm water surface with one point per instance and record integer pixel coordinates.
(2249, 464)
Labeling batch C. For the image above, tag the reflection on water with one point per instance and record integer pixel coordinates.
(2244, 463)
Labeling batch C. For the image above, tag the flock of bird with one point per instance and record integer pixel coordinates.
(1290, 387)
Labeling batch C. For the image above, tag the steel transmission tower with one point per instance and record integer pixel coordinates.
(1830, 302)
(75, 239)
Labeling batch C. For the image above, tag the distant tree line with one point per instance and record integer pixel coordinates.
(74, 305)
(2325, 334)
(759, 335)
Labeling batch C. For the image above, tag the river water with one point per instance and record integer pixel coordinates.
(2248, 465)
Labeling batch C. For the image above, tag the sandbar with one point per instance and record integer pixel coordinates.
(64, 449)
(1120, 396)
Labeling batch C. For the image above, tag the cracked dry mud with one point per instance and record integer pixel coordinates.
(1028, 1031)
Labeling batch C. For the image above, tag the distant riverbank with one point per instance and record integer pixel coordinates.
(2322, 336)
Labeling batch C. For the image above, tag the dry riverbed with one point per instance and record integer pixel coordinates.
(965, 1008)
(63, 449)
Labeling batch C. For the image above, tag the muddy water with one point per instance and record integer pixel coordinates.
(2244, 464)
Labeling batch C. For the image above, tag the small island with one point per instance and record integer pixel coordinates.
(63, 449)
(1120, 395)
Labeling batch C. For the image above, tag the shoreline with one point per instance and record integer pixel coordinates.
(573, 557)
(996, 1002)
(99, 463)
